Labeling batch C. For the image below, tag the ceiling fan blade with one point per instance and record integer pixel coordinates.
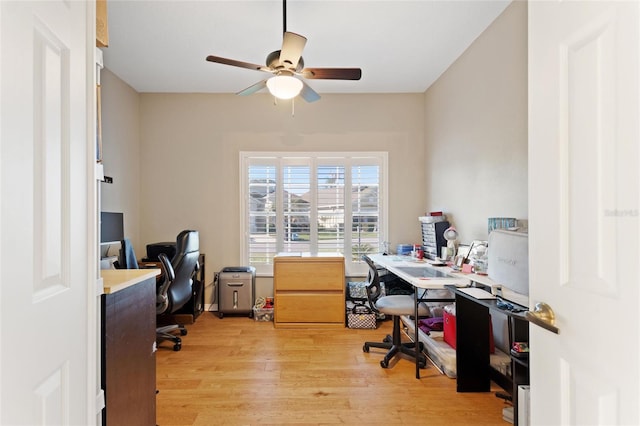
(332, 73)
(308, 94)
(292, 46)
(233, 62)
(253, 88)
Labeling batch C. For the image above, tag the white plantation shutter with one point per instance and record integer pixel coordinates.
(312, 202)
(260, 221)
(330, 209)
(365, 210)
(296, 209)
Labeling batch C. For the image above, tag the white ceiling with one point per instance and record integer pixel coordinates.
(401, 46)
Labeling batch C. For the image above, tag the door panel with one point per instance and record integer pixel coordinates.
(46, 318)
(583, 210)
(51, 149)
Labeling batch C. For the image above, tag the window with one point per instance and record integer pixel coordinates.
(323, 202)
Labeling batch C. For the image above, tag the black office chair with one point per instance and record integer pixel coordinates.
(394, 305)
(176, 287)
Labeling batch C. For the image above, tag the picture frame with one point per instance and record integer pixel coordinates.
(463, 250)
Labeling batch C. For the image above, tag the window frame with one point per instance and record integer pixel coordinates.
(313, 160)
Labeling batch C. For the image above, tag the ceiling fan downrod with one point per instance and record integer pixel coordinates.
(284, 16)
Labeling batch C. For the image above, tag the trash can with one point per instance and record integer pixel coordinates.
(236, 289)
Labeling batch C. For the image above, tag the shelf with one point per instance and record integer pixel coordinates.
(522, 360)
(472, 349)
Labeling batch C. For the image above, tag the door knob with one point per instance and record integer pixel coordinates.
(543, 316)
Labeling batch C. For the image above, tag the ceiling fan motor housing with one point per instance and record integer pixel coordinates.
(273, 62)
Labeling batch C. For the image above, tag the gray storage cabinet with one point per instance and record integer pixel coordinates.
(236, 290)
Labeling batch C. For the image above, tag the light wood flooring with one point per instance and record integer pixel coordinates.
(236, 371)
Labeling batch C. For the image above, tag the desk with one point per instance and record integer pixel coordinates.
(473, 369)
(128, 337)
(421, 275)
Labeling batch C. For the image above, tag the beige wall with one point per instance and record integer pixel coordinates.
(175, 157)
(476, 129)
(189, 159)
(121, 153)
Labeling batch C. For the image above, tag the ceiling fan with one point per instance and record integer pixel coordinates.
(287, 66)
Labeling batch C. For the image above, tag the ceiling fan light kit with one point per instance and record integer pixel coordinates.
(287, 63)
(284, 86)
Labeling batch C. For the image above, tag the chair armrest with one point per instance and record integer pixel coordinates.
(162, 302)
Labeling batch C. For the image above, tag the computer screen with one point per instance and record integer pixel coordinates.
(111, 227)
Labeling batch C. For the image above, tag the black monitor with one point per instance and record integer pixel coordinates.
(111, 227)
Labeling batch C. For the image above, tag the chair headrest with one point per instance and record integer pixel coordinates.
(187, 241)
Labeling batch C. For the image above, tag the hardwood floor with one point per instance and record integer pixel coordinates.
(236, 371)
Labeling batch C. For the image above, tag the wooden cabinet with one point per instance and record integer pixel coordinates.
(102, 26)
(128, 355)
(309, 290)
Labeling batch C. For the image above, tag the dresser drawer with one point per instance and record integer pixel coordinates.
(307, 307)
(309, 290)
(309, 275)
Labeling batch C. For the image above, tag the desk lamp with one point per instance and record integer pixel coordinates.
(451, 235)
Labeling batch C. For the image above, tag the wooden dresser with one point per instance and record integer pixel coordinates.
(128, 344)
(309, 290)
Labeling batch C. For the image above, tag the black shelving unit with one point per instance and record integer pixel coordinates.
(474, 372)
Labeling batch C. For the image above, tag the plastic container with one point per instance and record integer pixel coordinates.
(263, 314)
(404, 249)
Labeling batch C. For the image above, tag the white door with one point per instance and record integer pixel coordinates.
(46, 322)
(583, 210)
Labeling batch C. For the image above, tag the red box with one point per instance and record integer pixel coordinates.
(449, 328)
(450, 331)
